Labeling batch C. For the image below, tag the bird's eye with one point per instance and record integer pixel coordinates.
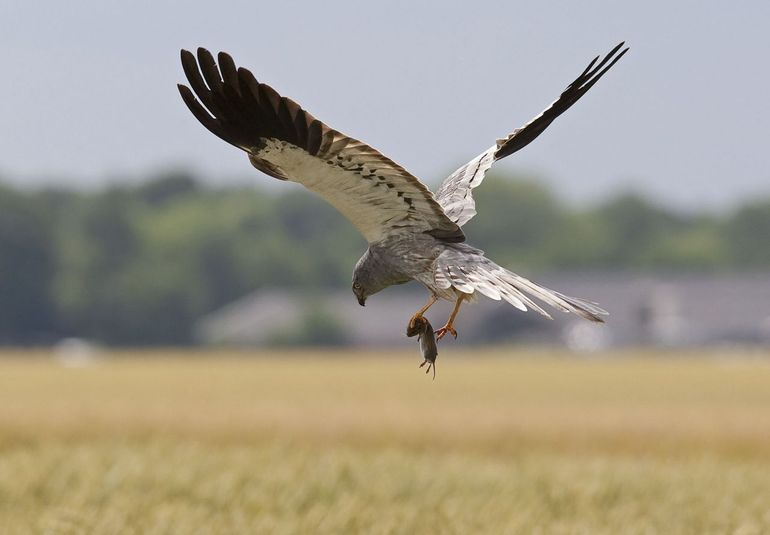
(356, 286)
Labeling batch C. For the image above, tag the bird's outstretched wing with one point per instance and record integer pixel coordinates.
(455, 193)
(376, 194)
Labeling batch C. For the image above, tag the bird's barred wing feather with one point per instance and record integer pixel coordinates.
(455, 193)
(377, 195)
(467, 269)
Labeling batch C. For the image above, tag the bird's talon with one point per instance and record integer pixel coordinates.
(446, 329)
(416, 325)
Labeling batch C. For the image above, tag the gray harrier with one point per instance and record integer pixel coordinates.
(412, 233)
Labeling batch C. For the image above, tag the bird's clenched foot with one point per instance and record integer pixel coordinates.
(416, 325)
(448, 328)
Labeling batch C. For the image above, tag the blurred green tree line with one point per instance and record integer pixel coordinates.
(138, 264)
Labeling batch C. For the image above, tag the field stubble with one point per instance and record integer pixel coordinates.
(502, 441)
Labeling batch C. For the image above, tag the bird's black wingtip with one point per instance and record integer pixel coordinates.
(204, 55)
(622, 47)
(224, 56)
(186, 92)
(617, 47)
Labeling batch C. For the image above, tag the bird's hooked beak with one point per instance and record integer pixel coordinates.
(361, 301)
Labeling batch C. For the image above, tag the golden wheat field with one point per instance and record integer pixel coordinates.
(504, 441)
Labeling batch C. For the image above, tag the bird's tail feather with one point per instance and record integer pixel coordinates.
(474, 272)
(585, 309)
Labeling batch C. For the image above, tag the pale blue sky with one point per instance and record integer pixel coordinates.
(89, 92)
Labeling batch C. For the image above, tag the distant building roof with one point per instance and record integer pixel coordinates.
(645, 309)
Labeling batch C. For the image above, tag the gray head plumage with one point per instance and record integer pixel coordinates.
(368, 277)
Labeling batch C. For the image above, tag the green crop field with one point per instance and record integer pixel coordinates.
(504, 441)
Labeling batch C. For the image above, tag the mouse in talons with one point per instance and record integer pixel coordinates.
(420, 326)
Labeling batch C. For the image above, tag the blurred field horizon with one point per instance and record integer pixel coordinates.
(173, 261)
(504, 440)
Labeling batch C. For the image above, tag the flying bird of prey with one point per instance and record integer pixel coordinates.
(412, 234)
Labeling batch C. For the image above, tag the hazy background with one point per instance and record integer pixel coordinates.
(89, 88)
(123, 221)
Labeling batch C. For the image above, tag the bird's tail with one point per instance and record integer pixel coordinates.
(585, 309)
(469, 271)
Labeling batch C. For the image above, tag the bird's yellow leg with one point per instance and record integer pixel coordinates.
(449, 327)
(429, 304)
(412, 326)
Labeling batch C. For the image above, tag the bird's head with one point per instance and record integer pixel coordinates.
(365, 283)
(359, 292)
(369, 277)
(366, 279)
